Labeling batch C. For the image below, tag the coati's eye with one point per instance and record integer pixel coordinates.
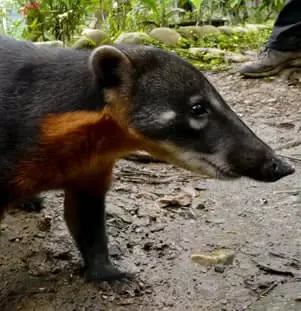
(198, 110)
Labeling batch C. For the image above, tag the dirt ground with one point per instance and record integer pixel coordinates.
(40, 267)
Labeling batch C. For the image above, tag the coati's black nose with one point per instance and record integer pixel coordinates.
(276, 168)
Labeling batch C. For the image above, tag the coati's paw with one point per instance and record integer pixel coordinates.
(106, 273)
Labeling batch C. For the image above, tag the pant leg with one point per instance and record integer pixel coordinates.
(286, 34)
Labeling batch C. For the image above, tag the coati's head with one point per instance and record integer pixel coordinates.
(180, 117)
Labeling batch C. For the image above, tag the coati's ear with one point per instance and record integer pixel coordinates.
(110, 66)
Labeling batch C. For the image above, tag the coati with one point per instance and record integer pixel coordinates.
(66, 117)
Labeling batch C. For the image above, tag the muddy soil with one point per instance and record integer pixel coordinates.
(40, 267)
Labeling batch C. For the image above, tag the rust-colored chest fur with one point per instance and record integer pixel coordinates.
(71, 148)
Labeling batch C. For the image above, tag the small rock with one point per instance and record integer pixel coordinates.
(157, 228)
(190, 190)
(138, 230)
(219, 268)
(148, 211)
(187, 214)
(263, 201)
(15, 238)
(255, 26)
(251, 55)
(147, 196)
(96, 35)
(199, 204)
(62, 255)
(52, 44)
(161, 246)
(215, 221)
(232, 57)
(222, 256)
(239, 29)
(40, 235)
(214, 52)
(44, 224)
(286, 125)
(228, 30)
(115, 251)
(134, 38)
(83, 43)
(181, 200)
(3, 227)
(166, 35)
(38, 269)
(196, 32)
(148, 246)
(118, 212)
(211, 51)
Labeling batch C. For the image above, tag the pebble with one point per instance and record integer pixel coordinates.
(219, 268)
(44, 224)
(3, 227)
(148, 246)
(157, 228)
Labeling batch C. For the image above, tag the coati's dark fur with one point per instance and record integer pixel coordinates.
(66, 117)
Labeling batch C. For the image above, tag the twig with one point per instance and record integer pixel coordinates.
(269, 289)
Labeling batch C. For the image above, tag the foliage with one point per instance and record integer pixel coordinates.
(11, 23)
(238, 10)
(56, 19)
(238, 42)
(63, 19)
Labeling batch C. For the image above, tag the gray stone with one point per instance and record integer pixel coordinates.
(53, 44)
(118, 212)
(239, 29)
(96, 35)
(255, 26)
(196, 32)
(228, 30)
(211, 51)
(84, 43)
(232, 57)
(165, 35)
(219, 268)
(134, 38)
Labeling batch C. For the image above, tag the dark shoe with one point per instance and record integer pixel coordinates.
(271, 62)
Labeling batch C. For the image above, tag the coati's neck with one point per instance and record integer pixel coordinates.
(72, 146)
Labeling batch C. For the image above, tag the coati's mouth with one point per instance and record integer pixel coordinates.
(194, 161)
(219, 172)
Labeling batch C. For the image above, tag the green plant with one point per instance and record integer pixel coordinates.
(11, 22)
(237, 42)
(57, 19)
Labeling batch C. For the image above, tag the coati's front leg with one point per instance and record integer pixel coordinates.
(85, 217)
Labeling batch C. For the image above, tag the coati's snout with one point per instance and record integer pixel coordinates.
(189, 124)
(262, 165)
(274, 169)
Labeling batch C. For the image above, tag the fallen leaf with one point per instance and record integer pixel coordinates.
(222, 256)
